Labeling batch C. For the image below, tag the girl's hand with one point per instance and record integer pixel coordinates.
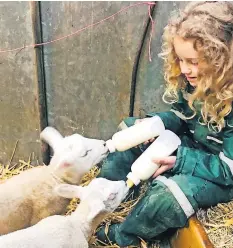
(140, 120)
(165, 163)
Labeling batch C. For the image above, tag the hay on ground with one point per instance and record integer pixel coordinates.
(217, 221)
(9, 170)
(218, 224)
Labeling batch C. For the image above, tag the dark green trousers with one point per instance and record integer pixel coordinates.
(159, 210)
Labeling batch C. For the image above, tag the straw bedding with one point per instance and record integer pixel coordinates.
(217, 221)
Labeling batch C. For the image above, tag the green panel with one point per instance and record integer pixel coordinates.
(150, 80)
(88, 76)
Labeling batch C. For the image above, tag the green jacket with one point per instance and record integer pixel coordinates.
(203, 153)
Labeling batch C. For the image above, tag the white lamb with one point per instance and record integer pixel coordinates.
(98, 199)
(27, 198)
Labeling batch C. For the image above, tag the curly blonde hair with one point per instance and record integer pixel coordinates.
(210, 25)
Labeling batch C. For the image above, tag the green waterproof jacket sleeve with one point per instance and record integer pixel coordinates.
(214, 168)
(174, 119)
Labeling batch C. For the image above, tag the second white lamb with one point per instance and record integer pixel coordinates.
(98, 199)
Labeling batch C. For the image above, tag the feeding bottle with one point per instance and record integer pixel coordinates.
(136, 134)
(143, 168)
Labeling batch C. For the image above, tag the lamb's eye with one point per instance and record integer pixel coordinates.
(86, 153)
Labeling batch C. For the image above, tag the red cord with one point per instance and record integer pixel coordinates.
(92, 25)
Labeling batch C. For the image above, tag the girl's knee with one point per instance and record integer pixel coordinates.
(156, 202)
(156, 212)
(117, 165)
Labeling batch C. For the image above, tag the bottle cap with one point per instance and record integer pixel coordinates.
(129, 183)
(110, 145)
(133, 178)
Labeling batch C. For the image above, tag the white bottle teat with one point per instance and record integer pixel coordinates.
(143, 168)
(136, 134)
(110, 145)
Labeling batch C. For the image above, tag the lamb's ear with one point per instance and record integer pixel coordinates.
(96, 208)
(69, 191)
(52, 137)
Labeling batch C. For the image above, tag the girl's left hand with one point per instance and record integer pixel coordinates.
(165, 163)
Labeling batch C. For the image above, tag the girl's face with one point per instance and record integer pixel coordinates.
(188, 58)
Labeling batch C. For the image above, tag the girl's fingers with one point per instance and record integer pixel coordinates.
(161, 170)
(165, 161)
(149, 141)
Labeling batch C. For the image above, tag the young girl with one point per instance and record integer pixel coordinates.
(198, 54)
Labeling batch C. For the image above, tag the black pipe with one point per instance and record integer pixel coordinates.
(136, 65)
(40, 72)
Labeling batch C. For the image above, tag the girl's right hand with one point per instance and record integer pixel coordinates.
(140, 120)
